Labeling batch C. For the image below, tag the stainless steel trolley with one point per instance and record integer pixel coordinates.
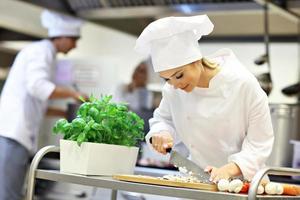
(115, 185)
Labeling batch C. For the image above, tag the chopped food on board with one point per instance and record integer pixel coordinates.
(185, 179)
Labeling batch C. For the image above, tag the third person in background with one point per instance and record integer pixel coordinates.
(136, 94)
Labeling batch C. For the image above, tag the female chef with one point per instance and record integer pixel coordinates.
(212, 104)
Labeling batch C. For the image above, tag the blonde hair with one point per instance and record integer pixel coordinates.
(208, 63)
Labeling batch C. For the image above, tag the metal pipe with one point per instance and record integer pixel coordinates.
(298, 44)
(267, 33)
(114, 194)
(34, 164)
(286, 13)
(282, 171)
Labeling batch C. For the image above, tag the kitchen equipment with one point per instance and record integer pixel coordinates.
(295, 88)
(292, 89)
(265, 79)
(286, 126)
(132, 196)
(187, 165)
(160, 181)
(72, 110)
(296, 156)
(145, 114)
(73, 107)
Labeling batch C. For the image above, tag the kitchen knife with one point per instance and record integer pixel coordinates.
(182, 162)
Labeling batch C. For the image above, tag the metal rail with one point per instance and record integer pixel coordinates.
(283, 171)
(286, 13)
(33, 167)
(115, 185)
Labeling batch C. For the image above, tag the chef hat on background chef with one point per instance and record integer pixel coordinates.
(173, 41)
(59, 25)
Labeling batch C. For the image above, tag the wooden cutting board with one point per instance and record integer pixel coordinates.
(159, 181)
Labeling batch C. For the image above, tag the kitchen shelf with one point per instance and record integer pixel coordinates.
(115, 185)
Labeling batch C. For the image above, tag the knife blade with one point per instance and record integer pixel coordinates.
(180, 161)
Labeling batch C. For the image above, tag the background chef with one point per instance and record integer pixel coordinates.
(136, 94)
(24, 99)
(212, 104)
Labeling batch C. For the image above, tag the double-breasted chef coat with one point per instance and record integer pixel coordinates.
(227, 122)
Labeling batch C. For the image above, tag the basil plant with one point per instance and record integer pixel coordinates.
(102, 121)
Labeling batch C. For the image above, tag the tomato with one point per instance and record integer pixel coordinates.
(245, 188)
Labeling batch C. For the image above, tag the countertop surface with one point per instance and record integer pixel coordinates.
(108, 182)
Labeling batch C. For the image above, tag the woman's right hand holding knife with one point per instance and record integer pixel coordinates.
(162, 141)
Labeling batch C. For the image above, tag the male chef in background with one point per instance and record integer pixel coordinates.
(24, 99)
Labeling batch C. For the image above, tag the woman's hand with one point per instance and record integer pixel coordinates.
(162, 141)
(225, 172)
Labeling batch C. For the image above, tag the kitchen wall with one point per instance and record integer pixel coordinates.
(105, 52)
(284, 59)
(117, 67)
(109, 52)
(109, 55)
(103, 58)
(113, 60)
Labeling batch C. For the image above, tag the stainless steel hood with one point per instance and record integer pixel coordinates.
(155, 9)
(132, 16)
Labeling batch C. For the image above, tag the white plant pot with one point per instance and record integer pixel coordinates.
(97, 159)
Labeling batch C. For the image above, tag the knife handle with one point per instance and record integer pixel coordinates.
(168, 150)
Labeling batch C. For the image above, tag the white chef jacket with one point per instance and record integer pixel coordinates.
(24, 96)
(227, 122)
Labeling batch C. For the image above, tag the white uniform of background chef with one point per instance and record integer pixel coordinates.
(136, 94)
(214, 105)
(24, 99)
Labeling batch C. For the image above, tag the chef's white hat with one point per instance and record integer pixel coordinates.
(60, 25)
(173, 41)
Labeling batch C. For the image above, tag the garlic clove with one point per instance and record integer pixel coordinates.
(260, 189)
(223, 185)
(235, 185)
(270, 188)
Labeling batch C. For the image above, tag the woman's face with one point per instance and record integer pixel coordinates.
(185, 77)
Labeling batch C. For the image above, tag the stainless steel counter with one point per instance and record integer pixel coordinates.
(115, 185)
(108, 182)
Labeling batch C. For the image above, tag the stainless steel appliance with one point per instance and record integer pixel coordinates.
(286, 125)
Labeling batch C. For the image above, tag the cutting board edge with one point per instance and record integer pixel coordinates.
(156, 181)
